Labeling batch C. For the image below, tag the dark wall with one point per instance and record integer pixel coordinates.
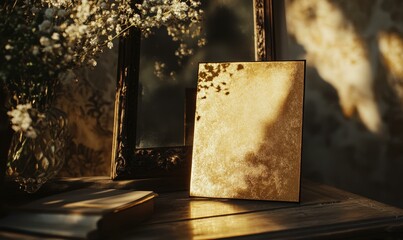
(353, 136)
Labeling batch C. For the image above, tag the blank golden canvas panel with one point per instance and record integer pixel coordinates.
(248, 131)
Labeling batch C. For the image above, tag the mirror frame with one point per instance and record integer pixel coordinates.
(128, 162)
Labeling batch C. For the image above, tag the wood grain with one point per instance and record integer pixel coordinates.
(323, 213)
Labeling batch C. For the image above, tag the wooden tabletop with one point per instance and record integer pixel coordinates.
(323, 213)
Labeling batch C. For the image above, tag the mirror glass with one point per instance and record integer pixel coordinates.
(166, 86)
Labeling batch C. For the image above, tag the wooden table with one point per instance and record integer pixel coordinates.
(323, 213)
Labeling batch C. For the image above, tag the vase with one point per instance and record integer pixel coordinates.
(33, 161)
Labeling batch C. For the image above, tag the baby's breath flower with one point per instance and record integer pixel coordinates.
(55, 36)
(92, 62)
(35, 50)
(44, 41)
(159, 68)
(48, 38)
(21, 120)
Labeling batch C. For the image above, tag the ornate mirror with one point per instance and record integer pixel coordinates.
(155, 97)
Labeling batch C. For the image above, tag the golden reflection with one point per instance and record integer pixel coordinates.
(207, 208)
(247, 139)
(338, 53)
(221, 225)
(92, 200)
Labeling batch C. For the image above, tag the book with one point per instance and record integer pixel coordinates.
(81, 214)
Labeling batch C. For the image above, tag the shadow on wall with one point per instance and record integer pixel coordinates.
(88, 103)
(353, 120)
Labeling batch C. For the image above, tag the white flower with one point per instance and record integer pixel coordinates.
(8, 47)
(159, 68)
(55, 36)
(44, 41)
(83, 10)
(68, 58)
(109, 20)
(92, 62)
(21, 120)
(35, 50)
(82, 29)
(31, 133)
(179, 9)
(73, 33)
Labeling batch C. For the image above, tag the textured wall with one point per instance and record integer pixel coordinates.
(353, 134)
(89, 103)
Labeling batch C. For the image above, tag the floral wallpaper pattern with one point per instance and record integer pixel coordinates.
(89, 104)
